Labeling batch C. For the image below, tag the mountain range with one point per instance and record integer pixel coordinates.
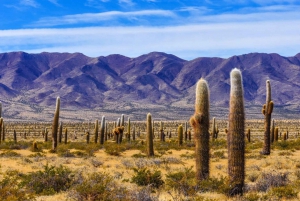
(155, 81)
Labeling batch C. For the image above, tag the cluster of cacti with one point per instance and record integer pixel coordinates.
(235, 136)
(200, 122)
(267, 111)
(55, 125)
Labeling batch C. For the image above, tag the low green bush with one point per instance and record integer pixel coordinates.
(145, 177)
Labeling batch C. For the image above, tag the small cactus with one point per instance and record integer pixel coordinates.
(200, 122)
(248, 134)
(34, 146)
(96, 130)
(55, 125)
(87, 135)
(150, 149)
(66, 136)
(102, 130)
(15, 137)
(272, 130)
(236, 135)
(180, 135)
(267, 111)
(285, 136)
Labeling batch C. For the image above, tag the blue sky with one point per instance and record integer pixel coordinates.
(185, 28)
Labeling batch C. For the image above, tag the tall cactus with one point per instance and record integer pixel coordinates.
(267, 111)
(150, 149)
(180, 135)
(276, 134)
(200, 122)
(236, 135)
(185, 131)
(15, 137)
(55, 125)
(102, 130)
(96, 130)
(128, 129)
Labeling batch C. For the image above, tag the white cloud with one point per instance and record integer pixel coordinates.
(98, 17)
(55, 2)
(31, 3)
(186, 41)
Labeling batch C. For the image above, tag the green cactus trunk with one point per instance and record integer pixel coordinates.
(200, 123)
(276, 134)
(87, 135)
(46, 135)
(236, 135)
(150, 149)
(106, 132)
(180, 135)
(55, 125)
(267, 111)
(185, 131)
(96, 130)
(102, 130)
(133, 133)
(249, 135)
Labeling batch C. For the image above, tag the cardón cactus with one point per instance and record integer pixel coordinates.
(236, 135)
(150, 149)
(55, 125)
(200, 122)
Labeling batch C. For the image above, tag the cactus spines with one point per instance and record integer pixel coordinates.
(200, 122)
(96, 130)
(102, 130)
(150, 149)
(236, 135)
(272, 131)
(66, 136)
(268, 107)
(55, 125)
(180, 135)
(60, 132)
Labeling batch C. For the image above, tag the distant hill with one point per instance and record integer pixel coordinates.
(161, 79)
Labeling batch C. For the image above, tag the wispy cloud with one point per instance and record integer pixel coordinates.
(126, 2)
(98, 17)
(186, 41)
(55, 2)
(31, 3)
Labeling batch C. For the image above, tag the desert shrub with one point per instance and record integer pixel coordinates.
(65, 153)
(287, 192)
(252, 196)
(10, 153)
(139, 155)
(11, 189)
(297, 174)
(114, 149)
(252, 176)
(49, 181)
(218, 144)
(285, 153)
(97, 186)
(253, 145)
(13, 145)
(218, 154)
(38, 154)
(183, 182)
(96, 163)
(214, 184)
(145, 177)
(269, 180)
(188, 155)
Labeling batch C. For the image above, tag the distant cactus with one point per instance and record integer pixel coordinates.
(87, 135)
(180, 135)
(150, 149)
(66, 136)
(133, 133)
(285, 136)
(200, 122)
(249, 135)
(272, 131)
(267, 111)
(34, 146)
(117, 132)
(102, 130)
(96, 130)
(46, 135)
(190, 135)
(215, 130)
(3, 131)
(15, 137)
(236, 135)
(60, 132)
(55, 125)
(128, 129)
(185, 131)
(106, 132)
